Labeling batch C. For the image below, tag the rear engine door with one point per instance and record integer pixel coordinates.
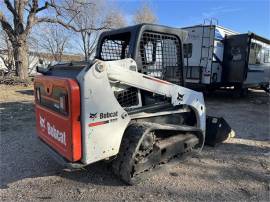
(57, 105)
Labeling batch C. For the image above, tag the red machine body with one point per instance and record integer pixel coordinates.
(57, 105)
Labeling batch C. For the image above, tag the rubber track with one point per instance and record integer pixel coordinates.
(123, 164)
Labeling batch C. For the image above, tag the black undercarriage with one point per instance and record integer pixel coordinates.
(147, 147)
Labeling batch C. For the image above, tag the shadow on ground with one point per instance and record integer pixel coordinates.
(22, 155)
(26, 92)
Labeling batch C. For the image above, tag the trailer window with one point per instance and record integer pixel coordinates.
(267, 56)
(236, 53)
(115, 47)
(187, 48)
(256, 55)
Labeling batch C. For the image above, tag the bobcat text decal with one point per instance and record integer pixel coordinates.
(112, 115)
(52, 131)
(108, 115)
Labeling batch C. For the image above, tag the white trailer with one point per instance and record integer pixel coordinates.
(219, 57)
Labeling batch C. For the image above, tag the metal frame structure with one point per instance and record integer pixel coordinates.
(139, 41)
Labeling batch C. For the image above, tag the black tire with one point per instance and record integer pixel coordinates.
(240, 91)
(244, 92)
(266, 88)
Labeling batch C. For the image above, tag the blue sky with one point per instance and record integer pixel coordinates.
(238, 15)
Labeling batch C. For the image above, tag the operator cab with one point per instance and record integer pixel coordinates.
(156, 50)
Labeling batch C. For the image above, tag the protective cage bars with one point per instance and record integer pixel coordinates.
(114, 49)
(161, 56)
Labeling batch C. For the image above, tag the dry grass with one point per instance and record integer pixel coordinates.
(16, 93)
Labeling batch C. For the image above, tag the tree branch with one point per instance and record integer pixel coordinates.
(11, 8)
(55, 7)
(34, 5)
(43, 7)
(30, 22)
(32, 13)
(68, 25)
(7, 27)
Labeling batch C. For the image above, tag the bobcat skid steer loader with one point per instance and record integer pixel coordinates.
(129, 105)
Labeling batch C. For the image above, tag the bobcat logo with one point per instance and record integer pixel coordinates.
(180, 97)
(93, 116)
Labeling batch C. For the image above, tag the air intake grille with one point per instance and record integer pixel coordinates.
(161, 56)
(128, 97)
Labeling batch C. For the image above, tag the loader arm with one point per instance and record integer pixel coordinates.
(119, 71)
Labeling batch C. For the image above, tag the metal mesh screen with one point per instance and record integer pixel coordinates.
(128, 97)
(161, 56)
(115, 47)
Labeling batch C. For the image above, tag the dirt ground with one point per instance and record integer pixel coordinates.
(238, 170)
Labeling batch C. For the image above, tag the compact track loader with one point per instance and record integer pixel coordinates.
(129, 105)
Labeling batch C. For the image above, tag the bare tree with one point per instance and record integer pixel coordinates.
(6, 52)
(55, 40)
(18, 30)
(116, 19)
(144, 15)
(25, 15)
(98, 16)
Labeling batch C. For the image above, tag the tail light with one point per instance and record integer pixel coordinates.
(63, 103)
(38, 94)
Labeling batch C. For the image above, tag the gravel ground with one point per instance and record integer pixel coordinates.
(238, 170)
